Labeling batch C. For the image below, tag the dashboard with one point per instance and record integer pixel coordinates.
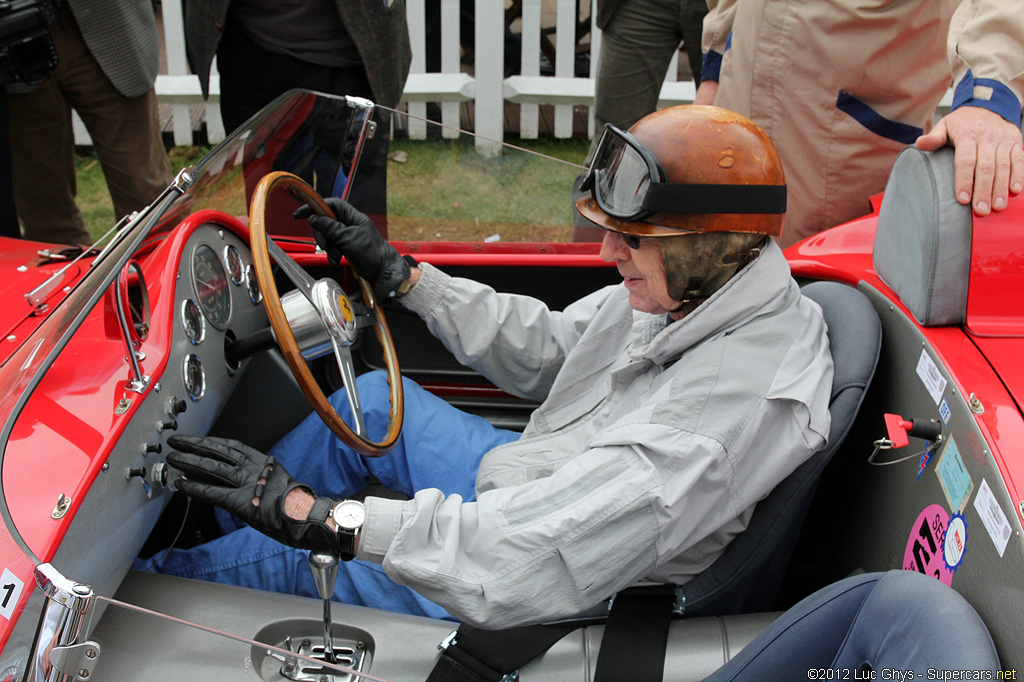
(217, 301)
(203, 294)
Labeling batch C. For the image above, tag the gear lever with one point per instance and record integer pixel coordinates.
(325, 572)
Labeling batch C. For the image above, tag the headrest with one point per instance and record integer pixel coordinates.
(923, 242)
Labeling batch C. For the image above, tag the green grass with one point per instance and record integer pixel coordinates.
(441, 190)
(445, 190)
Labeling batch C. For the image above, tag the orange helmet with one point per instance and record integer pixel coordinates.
(685, 169)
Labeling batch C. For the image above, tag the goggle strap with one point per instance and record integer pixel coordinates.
(688, 198)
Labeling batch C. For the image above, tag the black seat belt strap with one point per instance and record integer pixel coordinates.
(636, 636)
(473, 655)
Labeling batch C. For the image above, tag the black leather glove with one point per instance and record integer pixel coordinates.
(354, 235)
(250, 485)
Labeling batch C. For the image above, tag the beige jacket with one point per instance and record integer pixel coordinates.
(841, 86)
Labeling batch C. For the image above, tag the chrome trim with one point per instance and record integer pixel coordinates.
(185, 178)
(228, 250)
(367, 129)
(201, 332)
(138, 381)
(252, 285)
(57, 646)
(194, 395)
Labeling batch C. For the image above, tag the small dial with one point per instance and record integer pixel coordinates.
(194, 377)
(211, 282)
(236, 269)
(193, 321)
(252, 284)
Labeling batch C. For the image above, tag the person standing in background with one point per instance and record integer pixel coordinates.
(265, 48)
(841, 88)
(638, 41)
(109, 57)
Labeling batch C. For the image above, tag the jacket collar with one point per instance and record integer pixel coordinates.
(760, 288)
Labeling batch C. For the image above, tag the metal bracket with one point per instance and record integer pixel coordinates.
(58, 655)
(77, 660)
(680, 606)
(448, 641)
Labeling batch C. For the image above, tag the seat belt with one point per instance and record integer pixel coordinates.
(636, 636)
(632, 647)
(470, 654)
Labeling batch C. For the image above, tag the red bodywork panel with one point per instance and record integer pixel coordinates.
(23, 270)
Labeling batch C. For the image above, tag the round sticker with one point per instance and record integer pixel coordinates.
(925, 552)
(956, 542)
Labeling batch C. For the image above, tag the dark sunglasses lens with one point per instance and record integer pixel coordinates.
(632, 241)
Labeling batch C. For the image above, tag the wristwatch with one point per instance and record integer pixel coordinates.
(348, 516)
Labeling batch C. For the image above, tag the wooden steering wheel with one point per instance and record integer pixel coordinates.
(326, 304)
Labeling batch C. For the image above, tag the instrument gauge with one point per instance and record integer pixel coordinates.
(193, 322)
(236, 270)
(252, 284)
(194, 377)
(211, 284)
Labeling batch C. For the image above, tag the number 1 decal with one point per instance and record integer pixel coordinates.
(10, 593)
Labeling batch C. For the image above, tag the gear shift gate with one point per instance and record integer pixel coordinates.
(347, 654)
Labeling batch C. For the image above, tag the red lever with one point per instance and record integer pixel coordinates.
(897, 428)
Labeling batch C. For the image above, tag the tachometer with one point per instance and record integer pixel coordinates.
(211, 283)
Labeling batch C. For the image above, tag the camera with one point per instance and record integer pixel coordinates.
(27, 52)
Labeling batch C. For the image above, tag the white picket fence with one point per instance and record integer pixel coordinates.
(486, 87)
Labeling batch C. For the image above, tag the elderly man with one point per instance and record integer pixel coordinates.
(672, 403)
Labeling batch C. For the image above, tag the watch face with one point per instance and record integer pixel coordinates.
(349, 514)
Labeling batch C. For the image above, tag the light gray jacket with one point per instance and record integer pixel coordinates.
(647, 456)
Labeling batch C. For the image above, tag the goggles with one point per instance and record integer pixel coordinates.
(629, 183)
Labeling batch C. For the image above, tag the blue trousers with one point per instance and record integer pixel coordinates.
(440, 447)
(893, 621)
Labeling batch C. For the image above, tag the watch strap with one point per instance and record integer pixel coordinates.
(346, 539)
(321, 509)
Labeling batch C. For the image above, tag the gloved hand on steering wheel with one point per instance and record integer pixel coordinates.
(354, 236)
(250, 485)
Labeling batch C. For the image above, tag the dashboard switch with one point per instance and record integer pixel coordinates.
(167, 425)
(176, 406)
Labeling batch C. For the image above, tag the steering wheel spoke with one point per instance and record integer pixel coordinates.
(337, 314)
(302, 281)
(348, 377)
